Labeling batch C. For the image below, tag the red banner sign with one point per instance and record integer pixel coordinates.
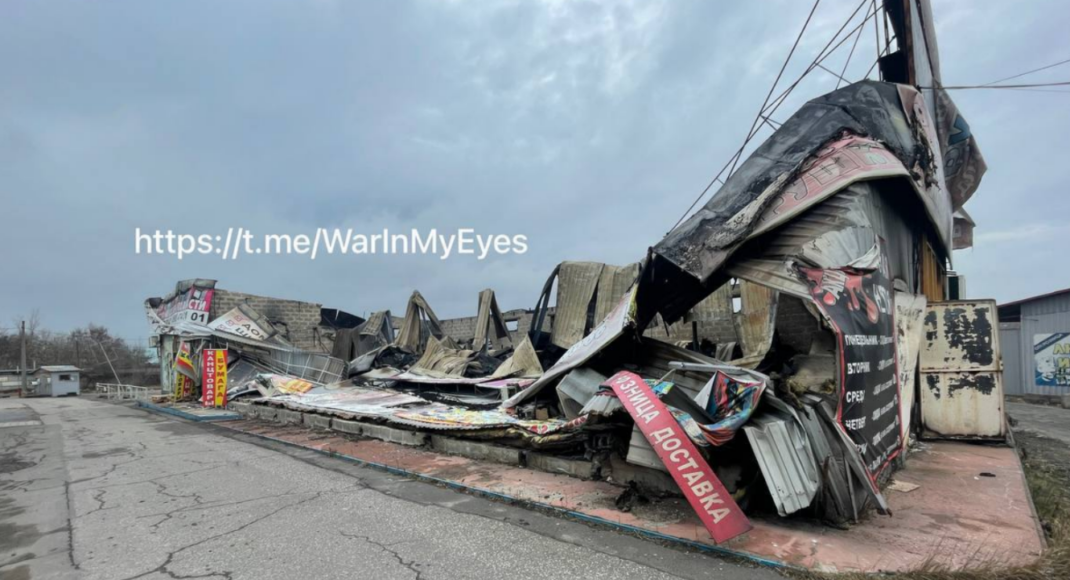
(706, 494)
(214, 377)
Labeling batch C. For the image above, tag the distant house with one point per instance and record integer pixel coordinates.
(57, 380)
(1034, 334)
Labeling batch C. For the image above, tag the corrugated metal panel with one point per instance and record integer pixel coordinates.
(576, 282)
(1043, 316)
(1010, 340)
(311, 366)
(612, 284)
(653, 360)
(777, 274)
(411, 336)
(783, 452)
(716, 307)
(1050, 305)
(834, 234)
(489, 323)
(961, 371)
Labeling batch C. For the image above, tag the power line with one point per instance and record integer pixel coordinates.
(832, 72)
(855, 45)
(754, 125)
(1040, 91)
(779, 100)
(1029, 72)
(1029, 86)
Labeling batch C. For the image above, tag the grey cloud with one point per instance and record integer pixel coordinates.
(588, 126)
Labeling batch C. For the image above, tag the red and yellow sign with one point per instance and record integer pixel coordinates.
(706, 494)
(214, 377)
(183, 387)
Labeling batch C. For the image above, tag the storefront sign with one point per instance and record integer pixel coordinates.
(706, 494)
(214, 375)
(183, 387)
(237, 323)
(189, 306)
(858, 304)
(1051, 359)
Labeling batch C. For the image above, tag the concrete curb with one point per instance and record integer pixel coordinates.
(187, 416)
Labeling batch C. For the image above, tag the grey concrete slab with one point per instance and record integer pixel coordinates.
(148, 496)
(1046, 420)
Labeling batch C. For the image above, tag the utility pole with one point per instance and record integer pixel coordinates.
(22, 362)
(117, 379)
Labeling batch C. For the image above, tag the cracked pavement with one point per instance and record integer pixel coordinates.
(111, 492)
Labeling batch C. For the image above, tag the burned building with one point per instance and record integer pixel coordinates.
(772, 357)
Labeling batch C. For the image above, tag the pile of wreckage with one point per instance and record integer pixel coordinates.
(843, 215)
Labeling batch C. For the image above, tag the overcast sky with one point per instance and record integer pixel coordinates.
(586, 126)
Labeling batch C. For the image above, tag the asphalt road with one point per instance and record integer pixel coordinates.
(94, 490)
(1045, 420)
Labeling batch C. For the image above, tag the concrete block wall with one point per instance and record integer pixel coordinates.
(464, 329)
(795, 325)
(299, 322)
(717, 332)
(461, 329)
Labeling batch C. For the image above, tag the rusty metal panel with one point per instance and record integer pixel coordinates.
(909, 316)
(490, 325)
(932, 273)
(961, 370)
(960, 336)
(612, 285)
(755, 322)
(576, 282)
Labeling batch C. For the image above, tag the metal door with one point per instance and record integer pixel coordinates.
(962, 371)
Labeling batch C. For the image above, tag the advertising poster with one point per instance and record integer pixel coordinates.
(858, 304)
(214, 375)
(1051, 359)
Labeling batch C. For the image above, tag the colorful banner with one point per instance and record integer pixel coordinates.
(290, 385)
(706, 494)
(858, 304)
(214, 377)
(184, 361)
(732, 400)
(1051, 359)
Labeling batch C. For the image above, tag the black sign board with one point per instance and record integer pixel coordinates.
(858, 304)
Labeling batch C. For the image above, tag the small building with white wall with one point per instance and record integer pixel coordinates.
(57, 380)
